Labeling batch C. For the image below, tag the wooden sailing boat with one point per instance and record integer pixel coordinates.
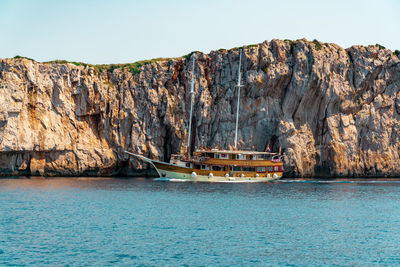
(218, 165)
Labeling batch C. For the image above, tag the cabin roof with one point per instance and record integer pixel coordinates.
(243, 152)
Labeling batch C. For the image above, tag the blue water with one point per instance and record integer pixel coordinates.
(127, 222)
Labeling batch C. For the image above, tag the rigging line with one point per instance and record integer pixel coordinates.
(191, 102)
(238, 98)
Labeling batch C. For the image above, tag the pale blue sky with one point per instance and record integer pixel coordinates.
(118, 31)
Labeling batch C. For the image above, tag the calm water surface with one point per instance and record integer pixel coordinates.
(79, 221)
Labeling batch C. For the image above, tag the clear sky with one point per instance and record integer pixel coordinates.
(118, 31)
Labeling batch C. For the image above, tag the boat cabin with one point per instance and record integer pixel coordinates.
(234, 155)
(234, 162)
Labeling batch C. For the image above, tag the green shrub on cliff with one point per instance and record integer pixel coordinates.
(317, 44)
(62, 61)
(265, 70)
(58, 61)
(18, 56)
(134, 67)
(381, 47)
(237, 48)
(396, 52)
(188, 56)
(252, 45)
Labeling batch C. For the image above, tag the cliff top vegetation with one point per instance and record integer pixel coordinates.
(134, 67)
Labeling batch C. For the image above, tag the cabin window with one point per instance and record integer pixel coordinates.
(216, 168)
(261, 169)
(237, 169)
(205, 167)
(241, 157)
(188, 165)
(276, 168)
(216, 156)
(248, 169)
(224, 156)
(270, 169)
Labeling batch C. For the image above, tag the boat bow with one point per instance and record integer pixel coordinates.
(150, 161)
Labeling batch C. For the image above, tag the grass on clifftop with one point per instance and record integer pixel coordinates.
(381, 47)
(317, 44)
(188, 56)
(17, 56)
(72, 62)
(133, 67)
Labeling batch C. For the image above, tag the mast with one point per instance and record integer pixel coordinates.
(238, 98)
(191, 105)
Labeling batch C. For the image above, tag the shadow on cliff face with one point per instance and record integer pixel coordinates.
(273, 144)
(62, 164)
(172, 143)
(125, 169)
(322, 171)
(14, 163)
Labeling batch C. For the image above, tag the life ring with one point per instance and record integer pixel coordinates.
(194, 175)
(210, 175)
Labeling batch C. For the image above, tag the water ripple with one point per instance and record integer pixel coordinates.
(144, 222)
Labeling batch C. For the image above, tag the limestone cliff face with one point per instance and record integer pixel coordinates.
(334, 112)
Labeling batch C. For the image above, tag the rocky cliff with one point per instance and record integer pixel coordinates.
(332, 111)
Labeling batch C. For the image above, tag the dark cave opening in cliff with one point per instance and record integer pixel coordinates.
(273, 144)
(171, 143)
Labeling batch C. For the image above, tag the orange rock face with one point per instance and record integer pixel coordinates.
(332, 111)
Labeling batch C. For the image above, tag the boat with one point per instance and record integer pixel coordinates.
(219, 165)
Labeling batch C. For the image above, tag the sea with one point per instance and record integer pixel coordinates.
(147, 222)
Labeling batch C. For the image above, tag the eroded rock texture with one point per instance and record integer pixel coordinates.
(334, 112)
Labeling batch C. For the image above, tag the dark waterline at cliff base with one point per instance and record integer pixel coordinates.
(111, 221)
(151, 176)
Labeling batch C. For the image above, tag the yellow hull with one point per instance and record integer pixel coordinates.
(172, 171)
(183, 173)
